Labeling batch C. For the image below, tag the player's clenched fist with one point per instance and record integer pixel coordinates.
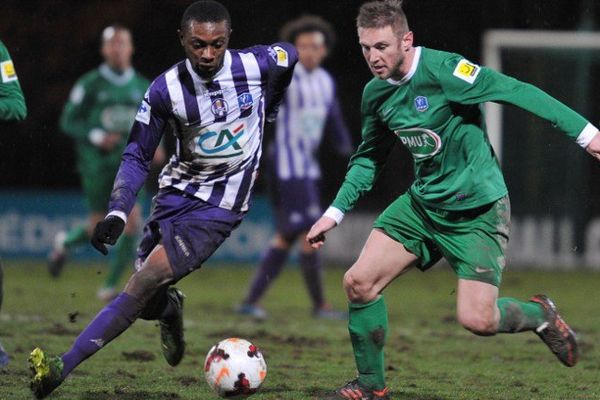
(316, 235)
(107, 232)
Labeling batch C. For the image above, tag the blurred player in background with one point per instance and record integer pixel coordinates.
(100, 111)
(310, 108)
(217, 100)
(458, 206)
(12, 108)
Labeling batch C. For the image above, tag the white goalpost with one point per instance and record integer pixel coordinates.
(494, 41)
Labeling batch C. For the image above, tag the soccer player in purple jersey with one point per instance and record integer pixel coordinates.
(310, 108)
(217, 101)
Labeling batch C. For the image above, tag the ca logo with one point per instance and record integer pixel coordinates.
(224, 140)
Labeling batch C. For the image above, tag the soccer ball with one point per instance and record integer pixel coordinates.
(235, 368)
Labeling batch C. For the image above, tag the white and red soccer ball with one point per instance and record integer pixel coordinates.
(235, 368)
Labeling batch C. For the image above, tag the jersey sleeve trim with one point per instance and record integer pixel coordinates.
(119, 214)
(587, 134)
(335, 214)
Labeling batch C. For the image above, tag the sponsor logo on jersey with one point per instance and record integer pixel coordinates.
(245, 101)
(117, 118)
(386, 112)
(143, 113)
(8, 71)
(421, 103)
(219, 107)
(279, 55)
(422, 143)
(211, 143)
(466, 71)
(213, 93)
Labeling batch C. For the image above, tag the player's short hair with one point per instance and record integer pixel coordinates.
(111, 30)
(379, 14)
(205, 11)
(308, 24)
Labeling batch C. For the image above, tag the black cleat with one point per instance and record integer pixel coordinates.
(354, 391)
(58, 256)
(555, 332)
(171, 330)
(56, 262)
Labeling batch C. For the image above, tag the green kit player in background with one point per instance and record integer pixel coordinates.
(457, 207)
(99, 115)
(12, 108)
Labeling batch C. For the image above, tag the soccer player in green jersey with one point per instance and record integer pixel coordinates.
(457, 207)
(12, 101)
(100, 111)
(12, 108)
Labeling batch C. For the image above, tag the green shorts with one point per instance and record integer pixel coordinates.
(97, 189)
(472, 241)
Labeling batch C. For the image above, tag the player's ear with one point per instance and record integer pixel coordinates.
(180, 36)
(407, 41)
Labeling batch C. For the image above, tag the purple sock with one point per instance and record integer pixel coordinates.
(310, 264)
(268, 270)
(113, 320)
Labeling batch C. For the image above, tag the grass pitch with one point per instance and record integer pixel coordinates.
(428, 355)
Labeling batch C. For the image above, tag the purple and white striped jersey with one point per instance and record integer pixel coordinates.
(218, 125)
(310, 108)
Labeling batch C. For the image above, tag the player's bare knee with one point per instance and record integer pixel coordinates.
(480, 324)
(144, 282)
(281, 242)
(358, 290)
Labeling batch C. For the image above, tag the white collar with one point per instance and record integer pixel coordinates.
(116, 79)
(411, 71)
(226, 65)
(301, 70)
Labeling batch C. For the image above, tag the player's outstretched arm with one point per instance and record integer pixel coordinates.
(316, 235)
(594, 147)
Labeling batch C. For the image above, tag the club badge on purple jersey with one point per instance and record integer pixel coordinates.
(245, 101)
(219, 107)
(421, 103)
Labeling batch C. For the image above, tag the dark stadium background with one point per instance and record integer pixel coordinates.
(54, 42)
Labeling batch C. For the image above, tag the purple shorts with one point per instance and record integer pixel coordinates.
(190, 230)
(297, 205)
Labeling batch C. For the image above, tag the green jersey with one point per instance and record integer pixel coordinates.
(12, 101)
(435, 112)
(101, 102)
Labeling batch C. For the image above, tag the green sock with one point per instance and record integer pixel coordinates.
(368, 325)
(76, 236)
(121, 258)
(519, 316)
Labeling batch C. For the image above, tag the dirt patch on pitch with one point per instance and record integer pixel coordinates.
(61, 330)
(138, 355)
(188, 380)
(127, 394)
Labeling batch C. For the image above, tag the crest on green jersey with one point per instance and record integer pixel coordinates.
(118, 117)
(422, 143)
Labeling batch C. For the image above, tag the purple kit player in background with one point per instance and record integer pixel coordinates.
(310, 109)
(217, 101)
